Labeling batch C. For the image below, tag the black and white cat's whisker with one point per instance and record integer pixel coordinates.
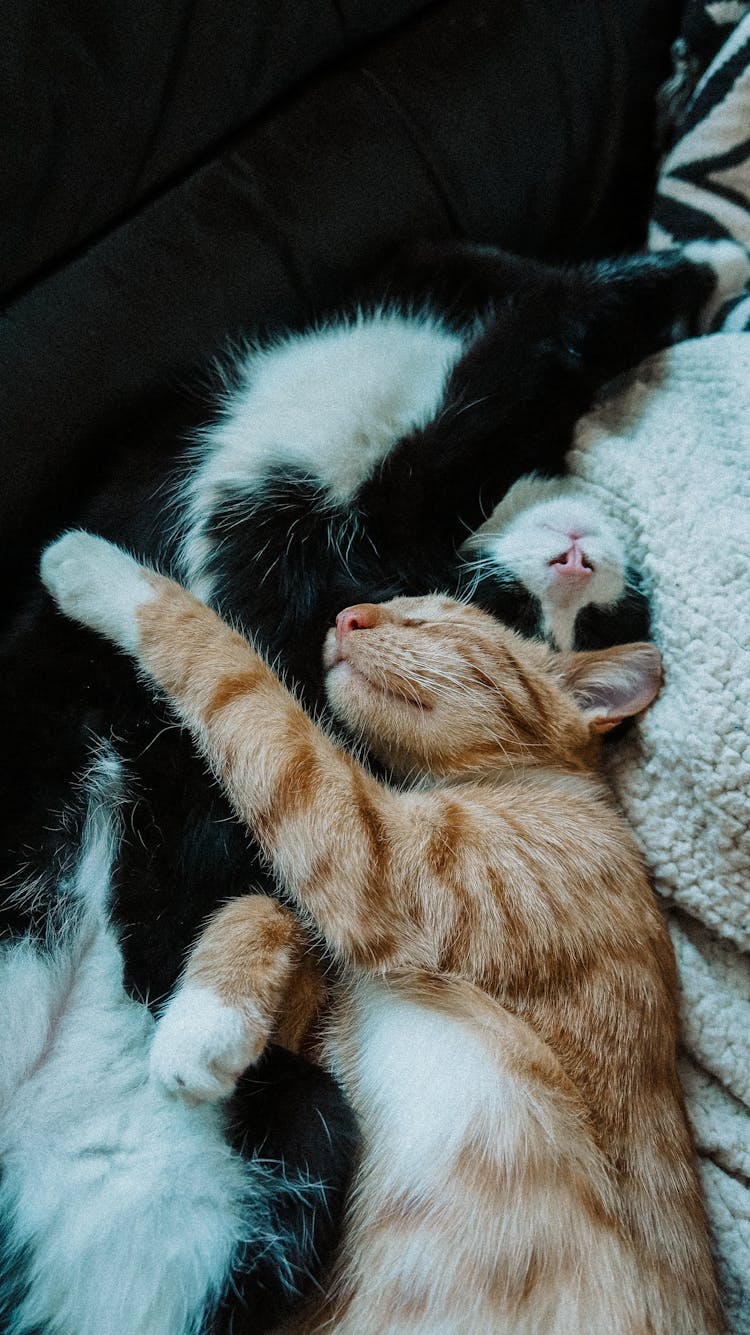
(290, 536)
(168, 727)
(457, 411)
(354, 528)
(269, 570)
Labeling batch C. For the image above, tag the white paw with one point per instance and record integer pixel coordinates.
(96, 583)
(201, 1046)
(731, 265)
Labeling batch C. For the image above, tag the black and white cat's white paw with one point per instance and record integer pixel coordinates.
(98, 584)
(202, 1046)
(730, 264)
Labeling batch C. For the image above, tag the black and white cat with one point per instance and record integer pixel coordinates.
(349, 462)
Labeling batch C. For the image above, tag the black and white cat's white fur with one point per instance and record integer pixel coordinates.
(550, 549)
(351, 462)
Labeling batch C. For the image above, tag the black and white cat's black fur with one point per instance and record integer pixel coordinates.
(351, 462)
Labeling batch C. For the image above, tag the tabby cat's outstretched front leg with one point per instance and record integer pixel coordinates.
(286, 767)
(269, 984)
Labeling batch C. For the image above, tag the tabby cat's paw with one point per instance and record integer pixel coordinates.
(98, 584)
(730, 263)
(202, 1046)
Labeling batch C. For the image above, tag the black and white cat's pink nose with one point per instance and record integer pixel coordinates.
(572, 563)
(361, 616)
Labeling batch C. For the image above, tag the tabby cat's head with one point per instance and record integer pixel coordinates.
(442, 686)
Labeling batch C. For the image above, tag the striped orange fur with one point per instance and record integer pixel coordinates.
(505, 1019)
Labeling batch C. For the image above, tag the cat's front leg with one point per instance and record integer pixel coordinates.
(99, 585)
(202, 1045)
(250, 977)
(312, 807)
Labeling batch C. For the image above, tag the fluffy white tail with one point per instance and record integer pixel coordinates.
(120, 1208)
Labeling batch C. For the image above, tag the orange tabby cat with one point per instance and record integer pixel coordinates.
(506, 1032)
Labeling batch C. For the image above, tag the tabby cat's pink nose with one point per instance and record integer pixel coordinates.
(362, 616)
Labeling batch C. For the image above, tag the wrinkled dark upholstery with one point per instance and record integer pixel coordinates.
(177, 172)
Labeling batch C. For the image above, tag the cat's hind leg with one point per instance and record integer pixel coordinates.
(250, 977)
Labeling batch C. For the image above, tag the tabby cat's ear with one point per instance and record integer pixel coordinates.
(610, 685)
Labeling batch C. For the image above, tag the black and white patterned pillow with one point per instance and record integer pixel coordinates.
(704, 184)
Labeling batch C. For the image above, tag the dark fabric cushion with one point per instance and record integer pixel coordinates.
(522, 124)
(101, 105)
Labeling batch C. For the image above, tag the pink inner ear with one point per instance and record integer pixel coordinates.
(614, 684)
(606, 724)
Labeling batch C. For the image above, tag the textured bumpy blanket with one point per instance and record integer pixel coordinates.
(679, 448)
(669, 456)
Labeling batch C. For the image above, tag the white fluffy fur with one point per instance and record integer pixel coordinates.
(97, 584)
(330, 402)
(424, 1084)
(124, 1202)
(526, 532)
(202, 1046)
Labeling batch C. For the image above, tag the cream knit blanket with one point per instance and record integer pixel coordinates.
(669, 457)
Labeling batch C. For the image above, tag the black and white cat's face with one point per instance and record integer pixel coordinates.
(553, 565)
